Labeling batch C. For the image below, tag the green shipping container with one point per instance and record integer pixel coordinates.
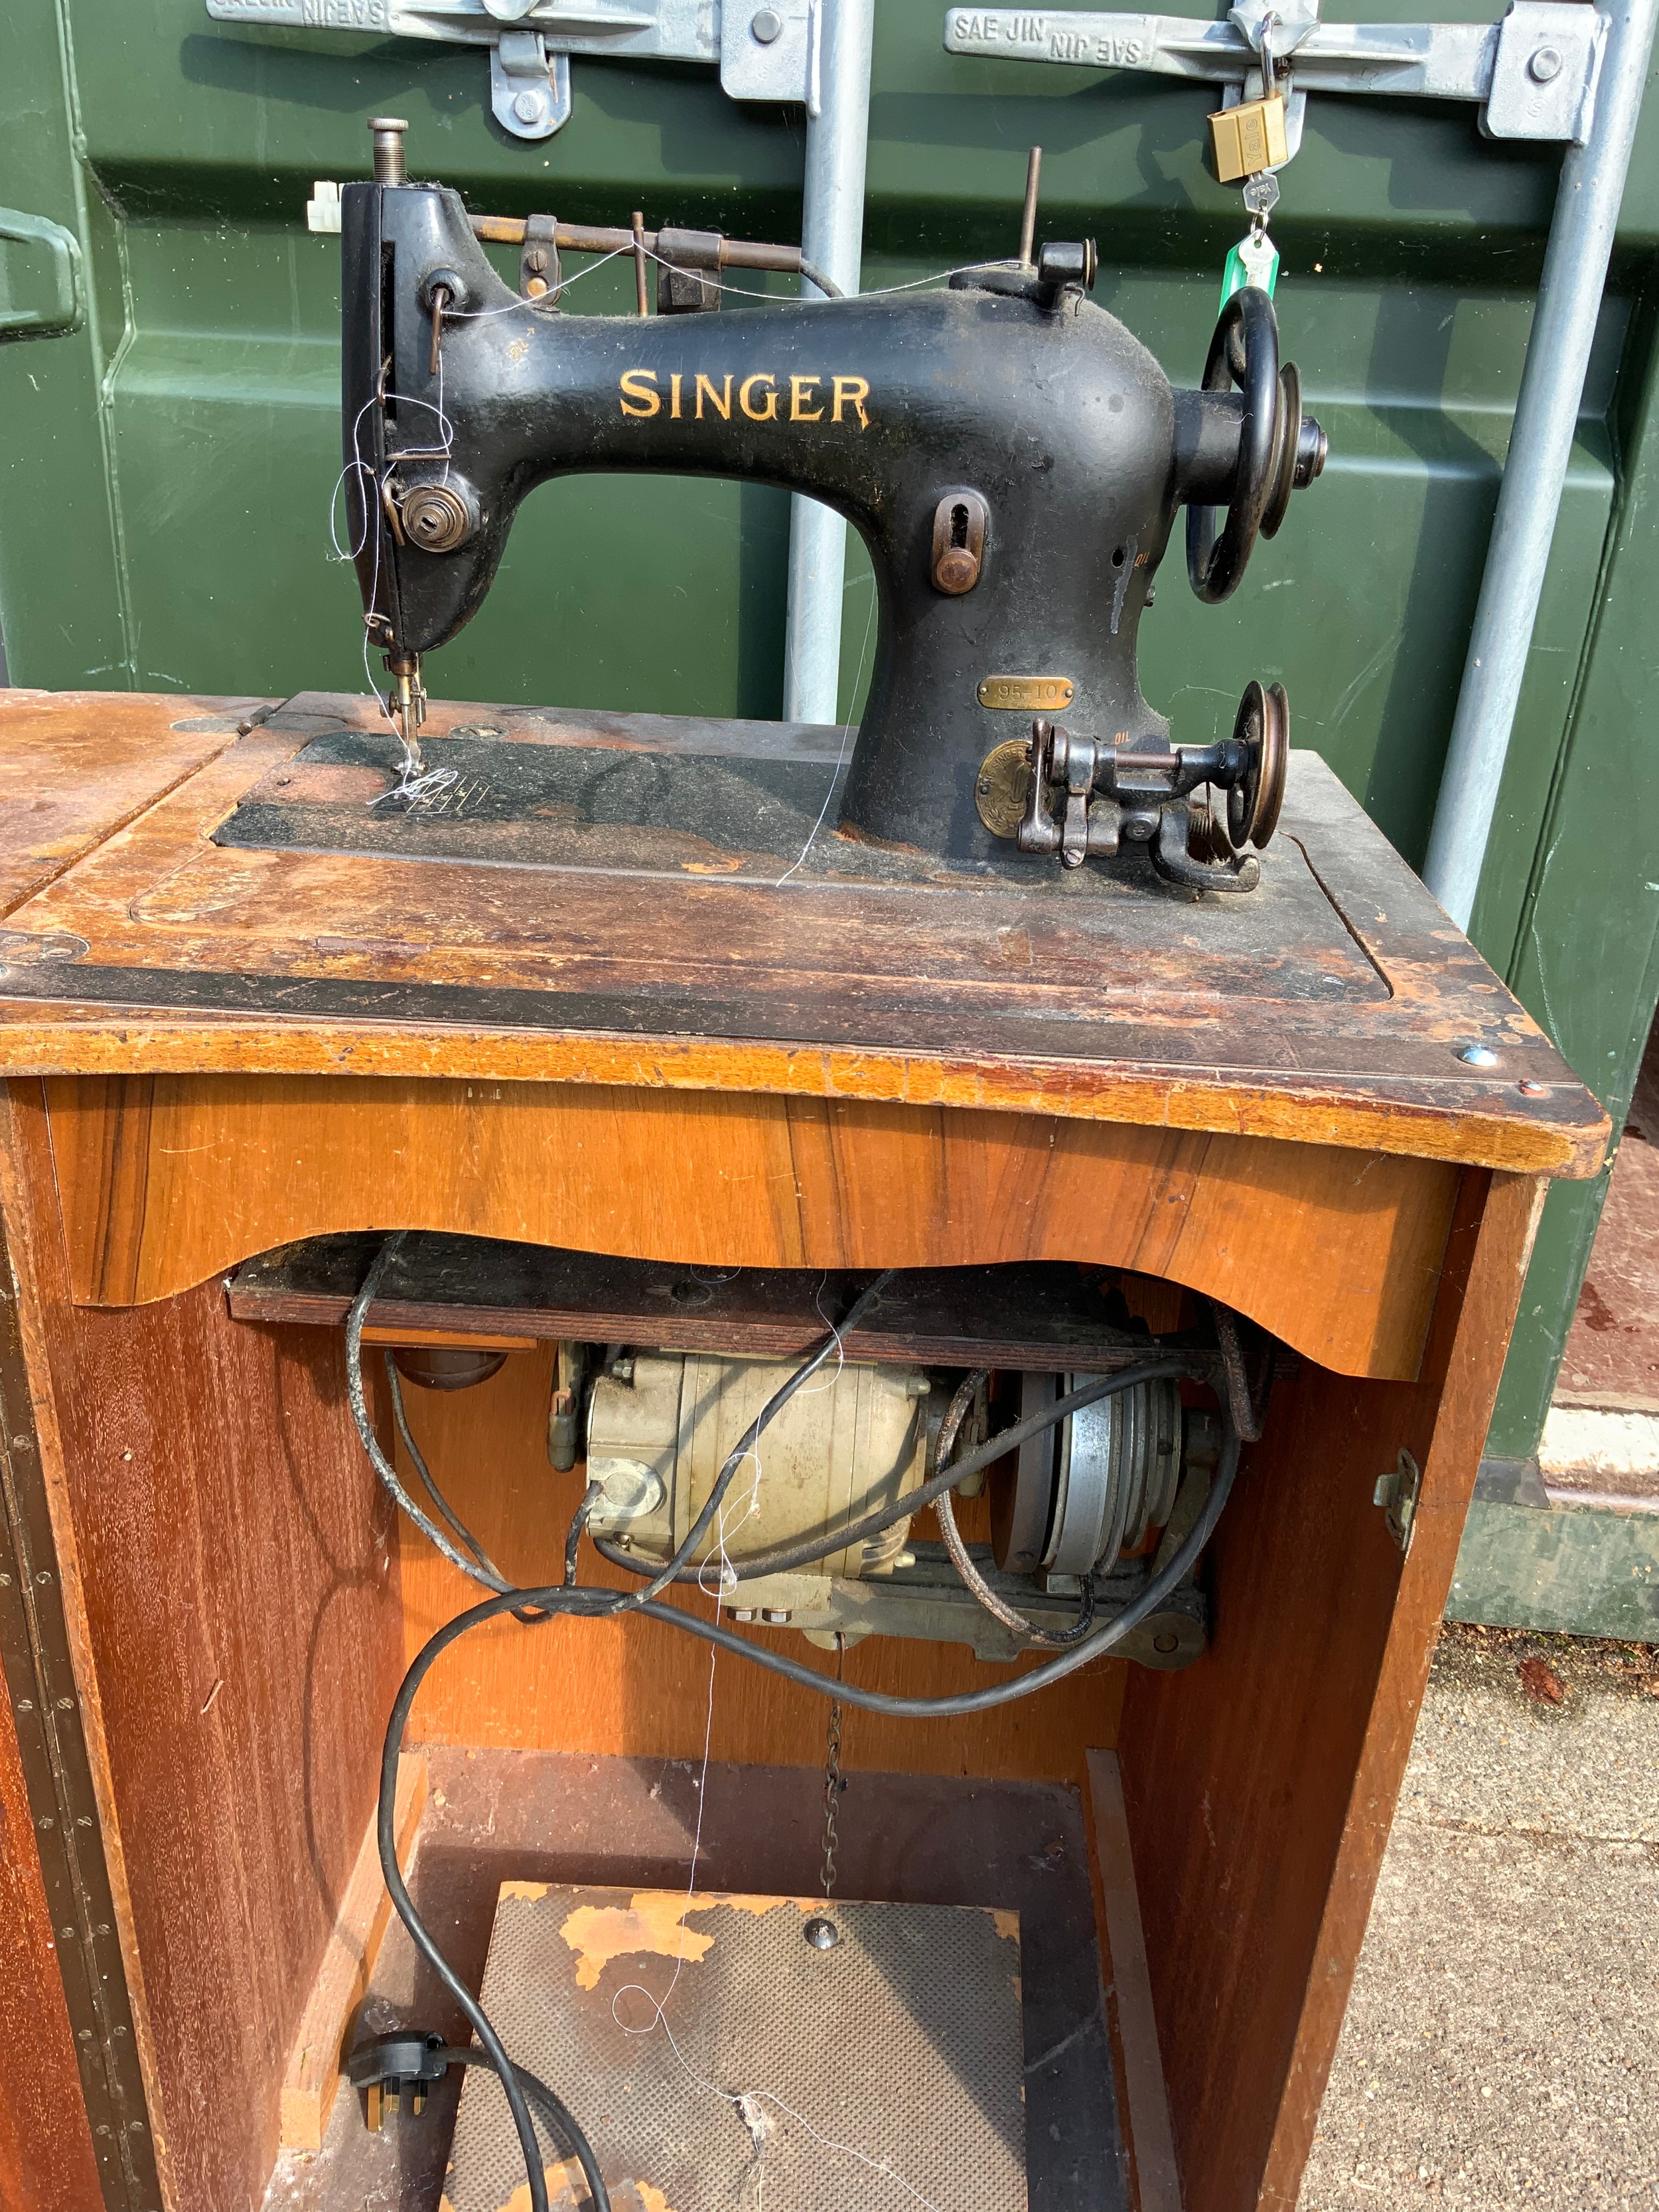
(169, 430)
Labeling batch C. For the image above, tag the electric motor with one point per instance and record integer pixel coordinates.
(1074, 1501)
(661, 1426)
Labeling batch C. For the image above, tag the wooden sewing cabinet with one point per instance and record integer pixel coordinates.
(547, 1029)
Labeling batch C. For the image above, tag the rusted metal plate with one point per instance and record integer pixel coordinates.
(718, 2059)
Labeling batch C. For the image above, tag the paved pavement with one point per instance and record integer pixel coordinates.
(1502, 2045)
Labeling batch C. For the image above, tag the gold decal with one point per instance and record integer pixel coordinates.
(720, 403)
(1002, 787)
(768, 412)
(638, 387)
(760, 397)
(852, 391)
(1026, 694)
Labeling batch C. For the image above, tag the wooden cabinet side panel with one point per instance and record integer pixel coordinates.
(1261, 1783)
(240, 1621)
(166, 1178)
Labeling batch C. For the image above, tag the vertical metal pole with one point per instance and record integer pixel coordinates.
(1540, 445)
(832, 237)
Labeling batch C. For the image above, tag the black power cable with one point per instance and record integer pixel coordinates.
(475, 1562)
(405, 2061)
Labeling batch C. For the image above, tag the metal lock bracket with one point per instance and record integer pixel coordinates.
(770, 50)
(1397, 1493)
(1534, 74)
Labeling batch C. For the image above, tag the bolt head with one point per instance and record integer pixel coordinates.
(1544, 64)
(1529, 1089)
(823, 1935)
(528, 105)
(1477, 1056)
(955, 570)
(765, 25)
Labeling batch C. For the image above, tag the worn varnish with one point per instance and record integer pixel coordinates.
(76, 766)
(199, 955)
(165, 1179)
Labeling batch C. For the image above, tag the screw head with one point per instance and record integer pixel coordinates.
(765, 25)
(1477, 1056)
(1544, 64)
(823, 1935)
(955, 570)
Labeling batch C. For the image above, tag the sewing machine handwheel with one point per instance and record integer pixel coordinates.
(1244, 350)
(1263, 727)
(1287, 438)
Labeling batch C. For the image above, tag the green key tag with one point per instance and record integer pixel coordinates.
(1254, 260)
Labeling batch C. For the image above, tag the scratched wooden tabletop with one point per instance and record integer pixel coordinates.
(207, 884)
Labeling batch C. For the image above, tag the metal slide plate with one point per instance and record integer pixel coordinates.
(882, 2071)
(729, 820)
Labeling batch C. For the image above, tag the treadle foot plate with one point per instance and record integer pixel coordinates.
(885, 2072)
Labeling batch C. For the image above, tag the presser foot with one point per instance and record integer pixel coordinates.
(406, 706)
(1059, 793)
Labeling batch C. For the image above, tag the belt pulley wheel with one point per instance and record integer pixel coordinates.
(1263, 728)
(1082, 1494)
(1023, 1500)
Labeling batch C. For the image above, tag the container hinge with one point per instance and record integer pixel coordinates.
(766, 50)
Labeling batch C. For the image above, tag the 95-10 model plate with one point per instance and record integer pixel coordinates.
(1030, 695)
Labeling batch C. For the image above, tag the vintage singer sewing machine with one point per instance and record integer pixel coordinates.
(1195, 1226)
(1012, 456)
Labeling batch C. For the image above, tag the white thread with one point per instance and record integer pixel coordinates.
(816, 1389)
(747, 2103)
(846, 733)
(537, 306)
(746, 292)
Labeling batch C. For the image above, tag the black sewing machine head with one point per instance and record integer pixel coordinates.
(1011, 455)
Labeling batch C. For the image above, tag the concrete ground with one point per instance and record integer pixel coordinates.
(1502, 2046)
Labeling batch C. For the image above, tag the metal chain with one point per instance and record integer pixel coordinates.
(832, 1779)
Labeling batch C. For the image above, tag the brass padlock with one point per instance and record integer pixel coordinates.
(1248, 138)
